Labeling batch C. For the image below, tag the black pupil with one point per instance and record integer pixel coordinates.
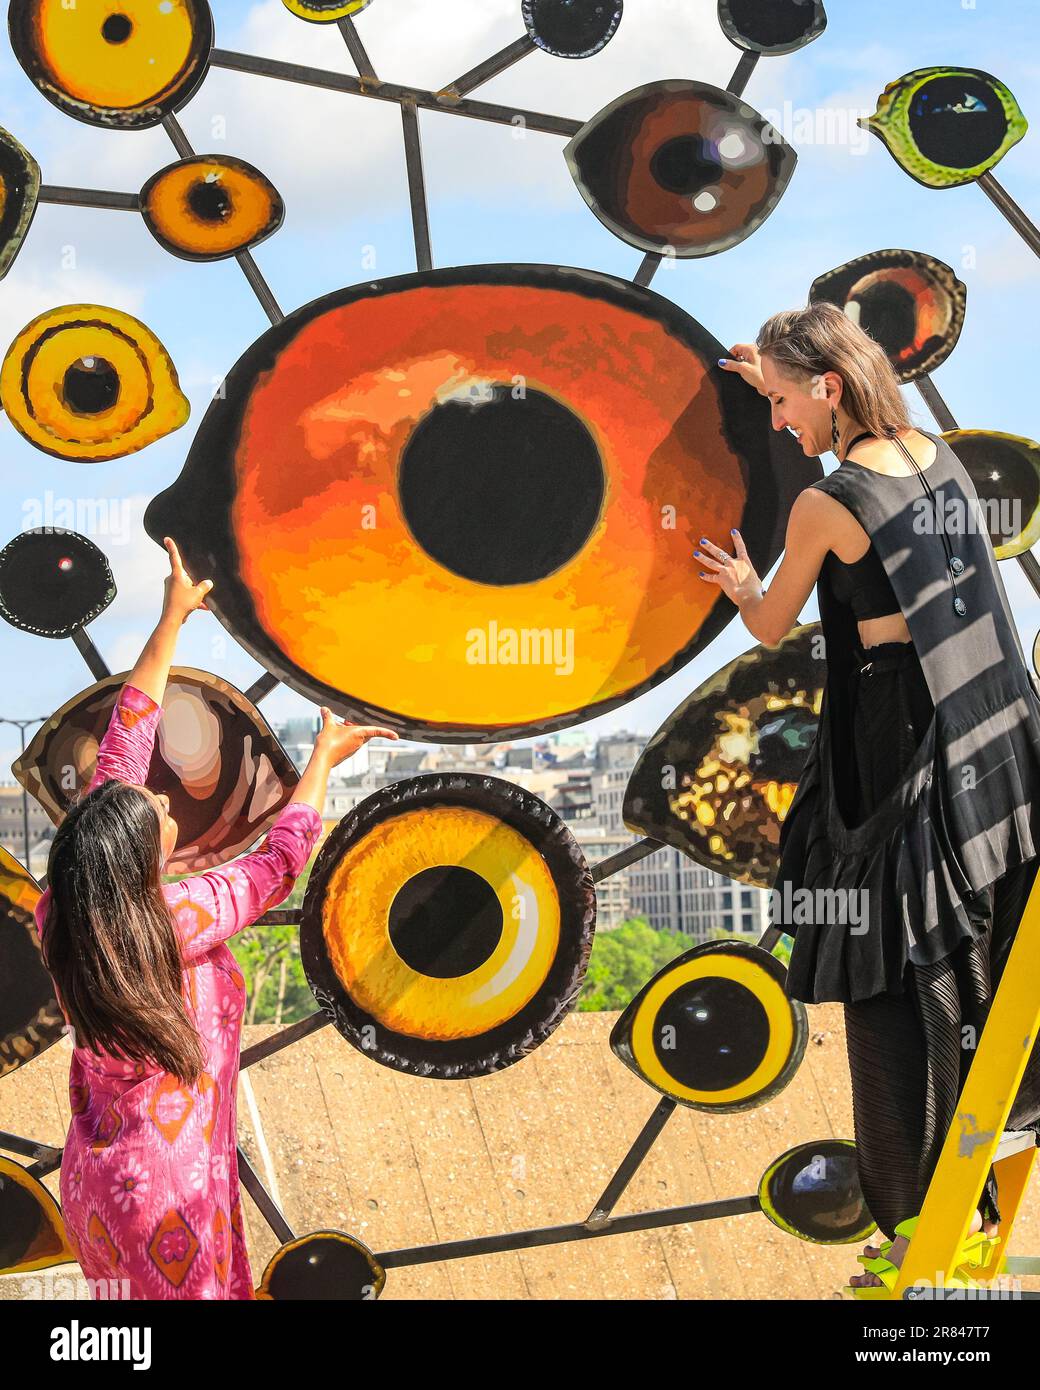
(888, 312)
(209, 200)
(685, 165)
(957, 122)
(91, 385)
(711, 1034)
(117, 28)
(445, 922)
(500, 489)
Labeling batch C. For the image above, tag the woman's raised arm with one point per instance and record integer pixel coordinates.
(180, 598)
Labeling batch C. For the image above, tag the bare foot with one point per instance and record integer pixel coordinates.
(897, 1250)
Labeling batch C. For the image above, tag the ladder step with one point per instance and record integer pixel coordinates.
(1013, 1141)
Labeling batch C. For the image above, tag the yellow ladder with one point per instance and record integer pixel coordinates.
(976, 1137)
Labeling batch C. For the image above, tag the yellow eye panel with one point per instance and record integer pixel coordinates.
(30, 1019)
(120, 63)
(448, 924)
(32, 1233)
(89, 383)
(19, 193)
(715, 1029)
(813, 1192)
(326, 1266)
(1005, 469)
(325, 11)
(210, 206)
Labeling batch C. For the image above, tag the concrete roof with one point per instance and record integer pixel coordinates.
(396, 1161)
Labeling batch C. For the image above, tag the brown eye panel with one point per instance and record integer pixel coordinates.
(210, 206)
(224, 771)
(680, 167)
(120, 63)
(909, 302)
(32, 1233)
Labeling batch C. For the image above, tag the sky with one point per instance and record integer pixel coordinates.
(495, 194)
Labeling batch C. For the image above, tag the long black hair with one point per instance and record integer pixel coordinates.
(108, 939)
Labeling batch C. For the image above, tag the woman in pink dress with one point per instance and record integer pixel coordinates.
(154, 1000)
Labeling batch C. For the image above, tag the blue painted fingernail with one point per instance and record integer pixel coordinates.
(723, 361)
(733, 530)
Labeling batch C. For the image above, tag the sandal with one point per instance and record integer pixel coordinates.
(974, 1252)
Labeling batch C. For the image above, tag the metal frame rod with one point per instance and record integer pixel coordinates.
(491, 67)
(277, 1042)
(561, 1235)
(742, 73)
(356, 48)
(393, 91)
(179, 139)
(631, 854)
(935, 403)
(630, 1164)
(1004, 203)
(95, 661)
(648, 268)
(279, 917)
(416, 186)
(261, 687)
(262, 1199)
(89, 197)
(29, 1148)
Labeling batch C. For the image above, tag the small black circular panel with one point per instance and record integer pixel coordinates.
(53, 582)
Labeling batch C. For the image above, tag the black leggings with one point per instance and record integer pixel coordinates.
(909, 1053)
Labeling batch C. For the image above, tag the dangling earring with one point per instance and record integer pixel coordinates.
(835, 441)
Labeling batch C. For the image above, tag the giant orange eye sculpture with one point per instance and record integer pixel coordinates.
(680, 167)
(30, 1019)
(717, 778)
(120, 63)
(210, 206)
(87, 383)
(447, 925)
(19, 192)
(464, 503)
(910, 303)
(226, 774)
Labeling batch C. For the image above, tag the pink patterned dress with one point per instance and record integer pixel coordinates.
(149, 1178)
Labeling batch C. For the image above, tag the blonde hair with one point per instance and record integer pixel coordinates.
(822, 338)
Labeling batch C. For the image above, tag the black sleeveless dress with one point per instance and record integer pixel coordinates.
(965, 808)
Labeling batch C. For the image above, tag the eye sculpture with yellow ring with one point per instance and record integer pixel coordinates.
(420, 499)
(718, 778)
(813, 1192)
(909, 302)
(947, 126)
(572, 28)
(210, 206)
(447, 925)
(120, 63)
(680, 168)
(1005, 469)
(53, 582)
(779, 26)
(88, 383)
(30, 1019)
(325, 11)
(325, 1266)
(32, 1233)
(19, 194)
(715, 1029)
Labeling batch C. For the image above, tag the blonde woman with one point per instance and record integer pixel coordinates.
(919, 803)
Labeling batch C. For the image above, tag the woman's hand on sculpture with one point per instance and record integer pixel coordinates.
(744, 359)
(734, 574)
(339, 741)
(181, 595)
